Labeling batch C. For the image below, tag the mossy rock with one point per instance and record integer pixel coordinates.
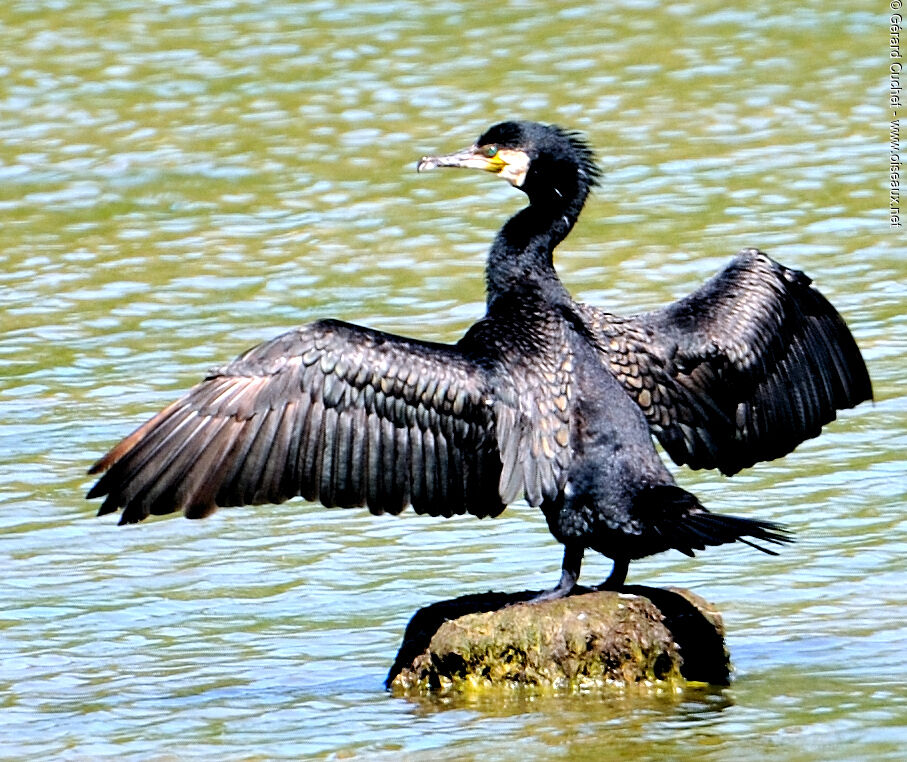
(640, 636)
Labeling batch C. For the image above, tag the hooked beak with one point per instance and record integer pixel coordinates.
(510, 163)
(468, 158)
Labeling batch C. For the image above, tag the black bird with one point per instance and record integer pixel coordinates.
(543, 397)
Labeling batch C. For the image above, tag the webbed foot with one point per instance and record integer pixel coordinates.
(573, 560)
(617, 577)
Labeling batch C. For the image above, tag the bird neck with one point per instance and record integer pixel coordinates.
(521, 259)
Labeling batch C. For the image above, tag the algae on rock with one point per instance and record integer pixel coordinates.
(638, 636)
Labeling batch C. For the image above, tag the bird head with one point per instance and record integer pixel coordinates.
(544, 161)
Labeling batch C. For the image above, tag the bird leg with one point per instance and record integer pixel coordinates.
(617, 577)
(573, 560)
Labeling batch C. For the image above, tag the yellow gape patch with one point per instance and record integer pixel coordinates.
(515, 165)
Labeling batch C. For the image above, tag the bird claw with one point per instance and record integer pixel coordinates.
(553, 594)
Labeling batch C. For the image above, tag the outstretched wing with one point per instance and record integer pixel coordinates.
(336, 413)
(743, 370)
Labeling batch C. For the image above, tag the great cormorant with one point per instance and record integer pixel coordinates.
(543, 397)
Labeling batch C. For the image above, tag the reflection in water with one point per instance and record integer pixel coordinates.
(555, 723)
(181, 180)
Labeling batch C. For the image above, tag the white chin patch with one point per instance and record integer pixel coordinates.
(516, 165)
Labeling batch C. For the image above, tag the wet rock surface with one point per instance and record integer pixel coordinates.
(639, 636)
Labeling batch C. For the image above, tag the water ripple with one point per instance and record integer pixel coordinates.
(181, 180)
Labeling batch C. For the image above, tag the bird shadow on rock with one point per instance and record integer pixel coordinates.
(692, 624)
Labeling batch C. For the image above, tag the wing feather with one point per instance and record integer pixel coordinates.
(744, 369)
(532, 386)
(330, 411)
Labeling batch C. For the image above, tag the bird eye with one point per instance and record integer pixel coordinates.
(490, 151)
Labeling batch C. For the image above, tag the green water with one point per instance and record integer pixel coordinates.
(179, 180)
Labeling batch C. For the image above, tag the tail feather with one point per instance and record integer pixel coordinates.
(680, 521)
(718, 529)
